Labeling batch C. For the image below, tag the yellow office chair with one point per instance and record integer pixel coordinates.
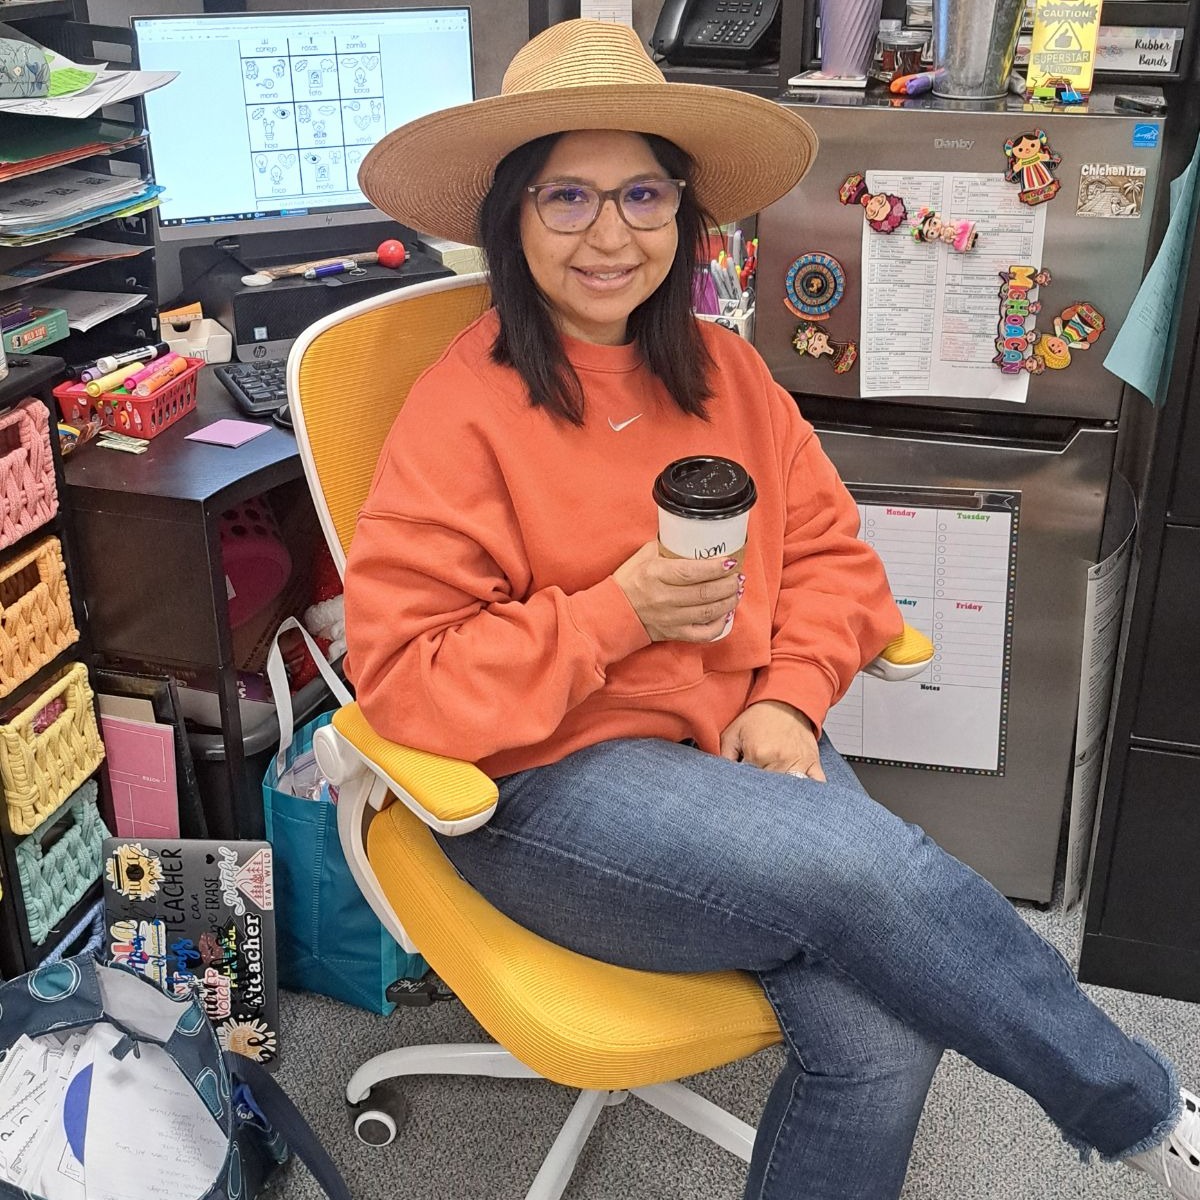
(605, 1030)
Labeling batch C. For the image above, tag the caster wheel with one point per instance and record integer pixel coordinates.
(374, 1127)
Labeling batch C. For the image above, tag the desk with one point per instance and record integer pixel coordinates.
(147, 530)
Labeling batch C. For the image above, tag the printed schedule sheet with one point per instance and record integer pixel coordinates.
(929, 313)
(951, 571)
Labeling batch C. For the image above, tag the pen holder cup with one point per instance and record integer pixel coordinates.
(28, 495)
(741, 323)
(59, 861)
(48, 748)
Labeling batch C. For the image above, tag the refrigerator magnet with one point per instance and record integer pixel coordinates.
(931, 226)
(1031, 165)
(814, 285)
(884, 212)
(815, 341)
(1075, 328)
(1014, 339)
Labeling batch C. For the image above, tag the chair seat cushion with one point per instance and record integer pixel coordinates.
(572, 1019)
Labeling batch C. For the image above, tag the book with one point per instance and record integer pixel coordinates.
(197, 916)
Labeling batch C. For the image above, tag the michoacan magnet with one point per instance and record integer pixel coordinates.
(884, 212)
(815, 341)
(1014, 340)
(1031, 165)
(814, 284)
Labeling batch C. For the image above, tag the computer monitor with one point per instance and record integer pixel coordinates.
(272, 113)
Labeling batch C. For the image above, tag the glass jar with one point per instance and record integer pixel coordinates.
(899, 54)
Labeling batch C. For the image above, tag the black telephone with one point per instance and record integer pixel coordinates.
(717, 33)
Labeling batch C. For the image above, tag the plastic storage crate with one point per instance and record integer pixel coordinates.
(28, 495)
(36, 621)
(137, 416)
(48, 748)
(60, 860)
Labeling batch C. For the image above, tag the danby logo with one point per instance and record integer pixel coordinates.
(953, 143)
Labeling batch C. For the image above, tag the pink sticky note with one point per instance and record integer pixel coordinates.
(228, 432)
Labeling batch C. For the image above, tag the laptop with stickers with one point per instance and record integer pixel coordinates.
(198, 915)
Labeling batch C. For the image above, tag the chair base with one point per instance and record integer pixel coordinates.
(488, 1059)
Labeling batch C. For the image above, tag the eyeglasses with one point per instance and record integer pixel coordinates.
(574, 207)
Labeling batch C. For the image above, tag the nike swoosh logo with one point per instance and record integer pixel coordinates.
(617, 428)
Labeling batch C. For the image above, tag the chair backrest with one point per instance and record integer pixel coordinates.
(348, 376)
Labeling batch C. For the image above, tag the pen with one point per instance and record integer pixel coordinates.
(333, 268)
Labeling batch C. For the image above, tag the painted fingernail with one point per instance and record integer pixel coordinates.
(729, 564)
(728, 617)
(742, 580)
(741, 591)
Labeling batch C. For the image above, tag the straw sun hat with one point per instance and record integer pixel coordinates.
(433, 173)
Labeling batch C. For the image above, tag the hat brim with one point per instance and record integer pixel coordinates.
(433, 173)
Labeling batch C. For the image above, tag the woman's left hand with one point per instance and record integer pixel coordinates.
(775, 736)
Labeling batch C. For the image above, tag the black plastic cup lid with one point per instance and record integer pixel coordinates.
(705, 488)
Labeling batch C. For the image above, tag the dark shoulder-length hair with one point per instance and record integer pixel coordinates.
(662, 325)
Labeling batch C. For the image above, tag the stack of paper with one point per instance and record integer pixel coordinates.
(72, 254)
(85, 310)
(74, 1116)
(64, 198)
(27, 147)
(81, 91)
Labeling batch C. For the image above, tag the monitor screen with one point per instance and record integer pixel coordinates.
(272, 113)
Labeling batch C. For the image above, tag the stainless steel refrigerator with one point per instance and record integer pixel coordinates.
(940, 293)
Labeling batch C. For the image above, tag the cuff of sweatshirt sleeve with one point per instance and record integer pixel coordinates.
(803, 685)
(603, 614)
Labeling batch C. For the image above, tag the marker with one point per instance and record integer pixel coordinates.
(916, 84)
(334, 268)
(110, 362)
(161, 377)
(113, 380)
(150, 369)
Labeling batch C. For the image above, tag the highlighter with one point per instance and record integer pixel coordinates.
(160, 378)
(113, 380)
(151, 368)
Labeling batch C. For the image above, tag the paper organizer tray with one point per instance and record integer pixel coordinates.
(48, 748)
(136, 416)
(36, 621)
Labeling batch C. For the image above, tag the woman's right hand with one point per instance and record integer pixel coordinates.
(680, 599)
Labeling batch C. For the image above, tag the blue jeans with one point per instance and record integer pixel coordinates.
(875, 947)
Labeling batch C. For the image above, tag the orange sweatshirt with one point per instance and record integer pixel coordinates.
(482, 617)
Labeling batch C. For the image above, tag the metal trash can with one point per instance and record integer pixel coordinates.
(974, 46)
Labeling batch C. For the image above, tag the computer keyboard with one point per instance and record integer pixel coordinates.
(259, 387)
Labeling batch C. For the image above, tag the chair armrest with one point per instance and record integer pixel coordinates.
(449, 795)
(903, 657)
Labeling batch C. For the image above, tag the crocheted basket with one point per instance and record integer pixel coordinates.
(28, 496)
(36, 621)
(60, 860)
(48, 749)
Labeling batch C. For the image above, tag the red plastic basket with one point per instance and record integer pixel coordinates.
(137, 416)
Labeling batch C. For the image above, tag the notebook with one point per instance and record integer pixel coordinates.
(197, 915)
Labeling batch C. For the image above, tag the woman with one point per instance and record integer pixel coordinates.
(666, 799)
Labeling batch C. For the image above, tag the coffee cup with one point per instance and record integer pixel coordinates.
(704, 505)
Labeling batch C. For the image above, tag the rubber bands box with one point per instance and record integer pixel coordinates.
(136, 416)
